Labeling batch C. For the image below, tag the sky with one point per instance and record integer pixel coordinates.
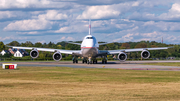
(111, 20)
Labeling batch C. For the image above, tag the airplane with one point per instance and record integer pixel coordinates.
(89, 51)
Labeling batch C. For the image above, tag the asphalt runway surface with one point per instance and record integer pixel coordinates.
(129, 65)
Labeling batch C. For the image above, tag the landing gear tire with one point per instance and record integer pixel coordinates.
(104, 61)
(75, 61)
(94, 61)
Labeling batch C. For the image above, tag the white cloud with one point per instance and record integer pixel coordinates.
(53, 15)
(30, 33)
(12, 38)
(175, 7)
(154, 36)
(73, 27)
(66, 39)
(126, 38)
(173, 14)
(163, 26)
(10, 4)
(99, 12)
(6, 14)
(27, 25)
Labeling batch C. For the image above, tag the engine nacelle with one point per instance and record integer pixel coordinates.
(34, 54)
(57, 56)
(145, 54)
(122, 56)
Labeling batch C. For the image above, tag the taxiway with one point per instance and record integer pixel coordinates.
(131, 65)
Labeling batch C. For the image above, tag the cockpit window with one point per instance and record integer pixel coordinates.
(89, 38)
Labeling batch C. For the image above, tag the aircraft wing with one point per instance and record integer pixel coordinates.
(49, 50)
(105, 43)
(135, 50)
(73, 43)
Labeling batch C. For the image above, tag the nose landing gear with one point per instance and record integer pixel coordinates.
(89, 61)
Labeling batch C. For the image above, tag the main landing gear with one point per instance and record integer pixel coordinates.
(75, 60)
(104, 60)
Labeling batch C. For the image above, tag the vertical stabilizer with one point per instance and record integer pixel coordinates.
(89, 27)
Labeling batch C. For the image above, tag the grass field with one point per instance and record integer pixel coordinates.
(164, 64)
(63, 83)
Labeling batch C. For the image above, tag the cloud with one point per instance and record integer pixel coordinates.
(29, 25)
(6, 14)
(173, 14)
(99, 12)
(28, 33)
(53, 15)
(26, 4)
(66, 39)
(154, 36)
(100, 2)
(162, 26)
(73, 27)
(12, 38)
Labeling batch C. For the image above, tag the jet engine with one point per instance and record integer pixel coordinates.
(145, 54)
(122, 56)
(34, 54)
(57, 56)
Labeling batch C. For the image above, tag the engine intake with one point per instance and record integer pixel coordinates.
(57, 56)
(122, 56)
(145, 54)
(34, 54)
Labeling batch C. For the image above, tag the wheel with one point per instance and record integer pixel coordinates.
(102, 61)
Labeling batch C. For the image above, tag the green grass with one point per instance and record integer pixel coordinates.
(164, 64)
(63, 83)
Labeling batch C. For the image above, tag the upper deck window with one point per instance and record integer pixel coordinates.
(89, 38)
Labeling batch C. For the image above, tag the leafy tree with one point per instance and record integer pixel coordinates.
(111, 46)
(141, 45)
(72, 47)
(125, 46)
(14, 43)
(38, 44)
(27, 44)
(2, 46)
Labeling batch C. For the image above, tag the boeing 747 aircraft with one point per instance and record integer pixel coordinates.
(89, 51)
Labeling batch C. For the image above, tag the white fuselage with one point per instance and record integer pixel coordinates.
(89, 46)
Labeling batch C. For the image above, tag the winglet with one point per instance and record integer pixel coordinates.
(89, 26)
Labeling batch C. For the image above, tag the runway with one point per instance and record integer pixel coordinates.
(129, 65)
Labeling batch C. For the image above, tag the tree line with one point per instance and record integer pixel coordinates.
(172, 52)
